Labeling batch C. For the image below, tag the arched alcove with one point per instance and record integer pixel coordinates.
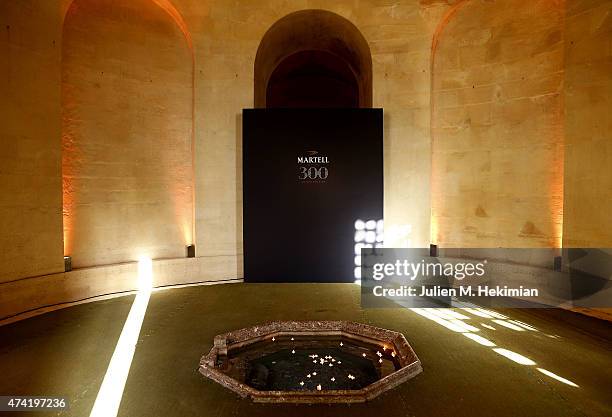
(313, 58)
(497, 125)
(127, 117)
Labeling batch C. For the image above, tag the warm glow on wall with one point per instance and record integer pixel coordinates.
(556, 180)
(183, 205)
(70, 155)
(187, 225)
(178, 19)
(435, 199)
(127, 145)
(497, 121)
(434, 229)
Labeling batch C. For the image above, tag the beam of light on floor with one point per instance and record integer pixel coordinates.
(492, 313)
(445, 315)
(447, 318)
(557, 377)
(515, 357)
(509, 325)
(524, 325)
(451, 326)
(454, 314)
(478, 313)
(111, 390)
(479, 339)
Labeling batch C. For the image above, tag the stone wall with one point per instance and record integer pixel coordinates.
(127, 75)
(227, 35)
(497, 176)
(24, 298)
(588, 124)
(30, 156)
(141, 78)
(119, 200)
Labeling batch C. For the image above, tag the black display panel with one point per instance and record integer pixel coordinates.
(308, 176)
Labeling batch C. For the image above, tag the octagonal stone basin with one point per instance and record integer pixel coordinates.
(310, 362)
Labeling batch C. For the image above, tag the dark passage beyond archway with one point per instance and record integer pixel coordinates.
(312, 79)
(313, 59)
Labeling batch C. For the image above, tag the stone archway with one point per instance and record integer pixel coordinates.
(313, 47)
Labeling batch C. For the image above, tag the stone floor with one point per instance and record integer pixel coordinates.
(66, 352)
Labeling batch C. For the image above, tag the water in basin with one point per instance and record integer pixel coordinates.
(309, 363)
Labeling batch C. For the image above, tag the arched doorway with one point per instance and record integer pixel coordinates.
(312, 150)
(313, 58)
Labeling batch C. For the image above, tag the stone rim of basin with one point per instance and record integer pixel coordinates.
(407, 363)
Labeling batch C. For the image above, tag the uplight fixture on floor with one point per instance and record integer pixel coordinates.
(67, 263)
